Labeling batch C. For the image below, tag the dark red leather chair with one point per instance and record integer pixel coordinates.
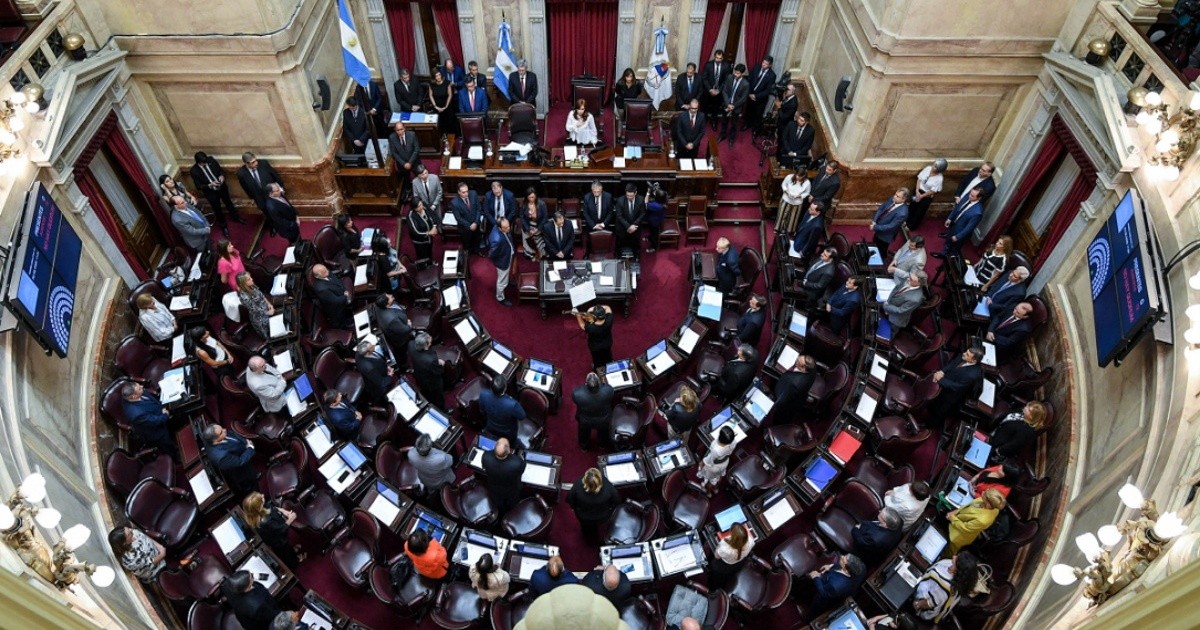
(328, 248)
(427, 316)
(335, 373)
(909, 393)
(685, 500)
(318, 512)
(897, 439)
(472, 131)
(124, 470)
(786, 442)
(829, 384)
(853, 504)
(630, 419)
(632, 522)
(467, 401)
(529, 519)
(245, 414)
(600, 244)
(718, 605)
(392, 464)
(469, 503)
(356, 548)
(531, 430)
(168, 515)
(750, 264)
(413, 597)
(458, 607)
(757, 586)
(112, 405)
(204, 616)
(710, 358)
(322, 335)
(635, 128)
(826, 346)
(141, 361)
(912, 346)
(287, 471)
(198, 580)
(878, 475)
(754, 475)
(378, 425)
(508, 611)
(639, 613)
(800, 554)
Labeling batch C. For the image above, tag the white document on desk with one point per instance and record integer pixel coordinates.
(703, 164)
(475, 458)
(970, 278)
(318, 440)
(277, 326)
(430, 427)
(553, 276)
(257, 568)
(279, 285)
(528, 566)
(989, 354)
(360, 275)
(581, 294)
(228, 536)
(315, 621)
(384, 510)
(465, 331)
(618, 162)
(661, 363)
(688, 339)
(170, 387)
(194, 274)
(884, 288)
(597, 267)
(201, 486)
(988, 397)
(406, 407)
(866, 407)
(455, 163)
(289, 256)
(570, 152)
(177, 349)
(607, 281)
(283, 362)
(495, 362)
(452, 296)
(180, 303)
(559, 265)
(787, 358)
(537, 475)
(362, 323)
(779, 513)
(676, 559)
(686, 164)
(879, 368)
(624, 472)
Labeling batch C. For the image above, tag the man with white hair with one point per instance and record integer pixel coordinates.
(1004, 296)
(874, 540)
(610, 583)
(267, 383)
(377, 375)
(522, 85)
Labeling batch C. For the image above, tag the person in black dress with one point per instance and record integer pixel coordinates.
(272, 523)
(593, 409)
(627, 87)
(347, 232)
(598, 323)
(422, 228)
(441, 94)
(593, 500)
(250, 601)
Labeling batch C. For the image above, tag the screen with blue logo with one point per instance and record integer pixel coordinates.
(1120, 295)
(45, 288)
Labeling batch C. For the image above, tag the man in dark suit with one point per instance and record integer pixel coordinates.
(688, 87)
(149, 418)
(406, 155)
(344, 419)
(559, 236)
(798, 136)
(762, 81)
(1004, 295)
(1009, 334)
(734, 94)
(254, 175)
(786, 108)
(791, 390)
(472, 100)
(610, 583)
(393, 321)
(959, 380)
(502, 412)
(232, 454)
(688, 130)
(810, 231)
(833, 583)
(819, 276)
(522, 85)
(500, 252)
(981, 177)
(281, 213)
(473, 73)
(598, 209)
(354, 127)
(468, 213)
(332, 297)
(428, 369)
(713, 79)
(630, 211)
(842, 304)
(210, 179)
(889, 218)
(962, 221)
(593, 409)
(499, 203)
(504, 469)
(826, 185)
(408, 93)
(750, 323)
(737, 375)
(727, 270)
(369, 360)
(874, 540)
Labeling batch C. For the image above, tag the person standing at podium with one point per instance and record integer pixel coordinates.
(688, 130)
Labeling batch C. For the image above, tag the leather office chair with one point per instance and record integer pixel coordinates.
(600, 244)
(696, 221)
(413, 597)
(154, 288)
(826, 346)
(458, 607)
(287, 471)
(685, 500)
(896, 438)
(757, 586)
(718, 605)
(168, 515)
(328, 248)
(570, 210)
(472, 131)
(123, 470)
(425, 281)
(635, 129)
(244, 343)
(468, 502)
(427, 316)
(976, 611)
(784, 443)
(630, 419)
(710, 358)
(112, 406)
(1021, 380)
(529, 519)
(593, 92)
(453, 356)
(531, 431)
(322, 335)
(800, 554)
(318, 512)
(853, 504)
(467, 401)
(879, 476)
(141, 361)
(379, 424)
(199, 579)
(528, 281)
(178, 256)
(522, 124)
(829, 384)
(839, 242)
(668, 234)
(333, 372)
(204, 616)
(906, 393)
(392, 464)
(753, 475)
(640, 614)
(245, 415)
(750, 264)
(912, 346)
(631, 522)
(355, 549)
(508, 611)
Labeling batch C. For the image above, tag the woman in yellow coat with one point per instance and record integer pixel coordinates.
(968, 522)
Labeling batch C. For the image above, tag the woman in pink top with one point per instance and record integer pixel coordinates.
(229, 263)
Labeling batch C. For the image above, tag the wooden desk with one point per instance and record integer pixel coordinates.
(368, 190)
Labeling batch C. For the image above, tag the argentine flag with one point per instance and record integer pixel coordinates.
(658, 75)
(352, 52)
(505, 64)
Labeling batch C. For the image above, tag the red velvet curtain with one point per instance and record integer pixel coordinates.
(400, 23)
(91, 189)
(583, 40)
(760, 25)
(1052, 150)
(1084, 183)
(445, 13)
(712, 27)
(118, 147)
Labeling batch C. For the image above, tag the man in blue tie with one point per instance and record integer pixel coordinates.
(192, 225)
(149, 418)
(233, 455)
(810, 230)
(1004, 296)
(962, 221)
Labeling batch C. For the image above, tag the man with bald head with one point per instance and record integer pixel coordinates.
(1009, 334)
(551, 576)
(610, 583)
(504, 469)
(267, 383)
(333, 298)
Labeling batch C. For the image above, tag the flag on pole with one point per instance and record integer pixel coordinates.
(658, 76)
(352, 52)
(505, 65)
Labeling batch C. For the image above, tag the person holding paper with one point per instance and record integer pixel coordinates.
(551, 576)
(943, 585)
(233, 456)
(958, 380)
(904, 300)
(819, 276)
(421, 228)
(630, 211)
(874, 540)
(504, 469)
(592, 498)
(908, 259)
(791, 390)
(597, 324)
(256, 304)
(728, 270)
(500, 252)
(729, 556)
(332, 297)
(265, 382)
(834, 582)
(377, 375)
(468, 213)
(1018, 430)
(502, 412)
(1009, 334)
(908, 500)
(435, 467)
(558, 236)
(272, 522)
(428, 369)
(593, 410)
(888, 220)
(138, 553)
(597, 209)
(156, 318)
(842, 304)
(712, 468)
(149, 418)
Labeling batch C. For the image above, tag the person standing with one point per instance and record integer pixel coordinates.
(428, 369)
(762, 82)
(683, 414)
(559, 238)
(257, 305)
(908, 259)
(826, 185)
(191, 224)
(961, 223)
(355, 130)
(550, 576)
(581, 125)
(889, 218)
(593, 409)
(727, 270)
(377, 375)
(281, 213)
(422, 227)
(786, 107)
(435, 467)
(397, 330)
(791, 390)
(233, 456)
(797, 142)
(472, 99)
(731, 552)
(958, 381)
(502, 413)
(500, 252)
(406, 156)
(408, 95)
(332, 297)
(712, 468)
(272, 522)
(688, 87)
(522, 85)
(597, 209)
(688, 130)
(811, 230)
(795, 189)
(631, 210)
(468, 213)
(929, 183)
(504, 469)
(250, 601)
(265, 381)
(734, 93)
(489, 580)
(156, 318)
(597, 324)
(593, 499)
(209, 177)
(656, 213)
(713, 78)
(750, 323)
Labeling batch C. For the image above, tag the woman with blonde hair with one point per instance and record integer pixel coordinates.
(994, 261)
(256, 304)
(1018, 430)
(489, 580)
(682, 415)
(734, 548)
(593, 500)
(156, 318)
(969, 521)
(272, 523)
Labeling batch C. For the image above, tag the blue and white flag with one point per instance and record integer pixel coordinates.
(352, 52)
(505, 64)
(658, 75)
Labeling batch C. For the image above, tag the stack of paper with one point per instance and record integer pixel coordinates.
(537, 475)
(279, 285)
(570, 152)
(866, 407)
(685, 164)
(277, 326)
(201, 485)
(989, 354)
(360, 275)
(618, 162)
(710, 303)
(177, 350)
(452, 296)
(688, 339)
(884, 288)
(180, 303)
(704, 165)
(879, 368)
(495, 362)
(384, 510)
(319, 440)
(171, 387)
(455, 163)
(779, 513)
(787, 358)
(406, 407)
(622, 473)
(988, 397)
(289, 256)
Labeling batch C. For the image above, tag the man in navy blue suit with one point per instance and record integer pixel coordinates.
(344, 419)
(810, 230)
(232, 454)
(500, 252)
(727, 266)
(598, 209)
(472, 100)
(1004, 296)
(960, 379)
(981, 177)
(559, 236)
(149, 418)
(888, 220)
(842, 304)
(874, 540)
(750, 324)
(1009, 333)
(499, 203)
(502, 412)
(835, 582)
(962, 221)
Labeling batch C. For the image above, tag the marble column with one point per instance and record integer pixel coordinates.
(695, 33)
(780, 41)
(624, 37)
(466, 32)
(421, 55)
(385, 50)
(538, 55)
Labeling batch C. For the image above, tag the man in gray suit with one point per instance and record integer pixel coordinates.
(435, 467)
(192, 225)
(905, 299)
(819, 276)
(267, 383)
(427, 188)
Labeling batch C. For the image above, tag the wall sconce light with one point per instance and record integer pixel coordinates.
(34, 95)
(1147, 534)
(73, 42)
(1175, 135)
(1097, 51)
(56, 564)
